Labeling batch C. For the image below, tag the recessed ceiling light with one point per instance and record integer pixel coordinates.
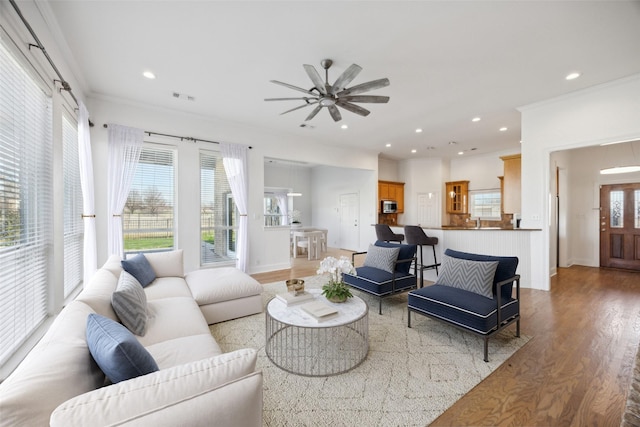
(460, 153)
(149, 75)
(502, 129)
(572, 76)
(387, 145)
(414, 151)
(344, 127)
(476, 119)
(418, 130)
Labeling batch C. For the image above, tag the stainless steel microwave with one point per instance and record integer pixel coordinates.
(389, 206)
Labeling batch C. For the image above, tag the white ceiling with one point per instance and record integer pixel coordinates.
(448, 61)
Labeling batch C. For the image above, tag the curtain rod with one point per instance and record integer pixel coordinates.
(63, 82)
(181, 138)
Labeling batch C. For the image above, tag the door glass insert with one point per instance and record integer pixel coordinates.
(636, 208)
(616, 207)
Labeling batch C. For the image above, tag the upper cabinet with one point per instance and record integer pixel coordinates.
(389, 190)
(457, 195)
(511, 184)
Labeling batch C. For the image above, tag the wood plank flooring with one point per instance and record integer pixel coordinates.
(576, 369)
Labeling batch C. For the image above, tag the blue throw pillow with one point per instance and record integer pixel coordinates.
(139, 267)
(116, 351)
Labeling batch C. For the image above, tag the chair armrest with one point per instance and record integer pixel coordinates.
(499, 285)
(353, 257)
(403, 261)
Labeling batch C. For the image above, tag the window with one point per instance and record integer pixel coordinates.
(485, 204)
(25, 203)
(148, 217)
(73, 225)
(218, 212)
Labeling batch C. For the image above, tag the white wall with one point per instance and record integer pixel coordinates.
(422, 176)
(266, 251)
(331, 182)
(482, 171)
(604, 113)
(388, 170)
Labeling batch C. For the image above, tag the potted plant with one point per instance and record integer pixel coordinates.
(335, 290)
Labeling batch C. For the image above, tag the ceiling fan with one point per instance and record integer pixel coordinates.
(322, 94)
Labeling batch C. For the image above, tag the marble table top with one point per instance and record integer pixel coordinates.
(348, 311)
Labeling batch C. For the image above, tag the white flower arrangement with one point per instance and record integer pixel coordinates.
(335, 267)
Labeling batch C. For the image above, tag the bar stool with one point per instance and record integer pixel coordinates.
(417, 236)
(385, 234)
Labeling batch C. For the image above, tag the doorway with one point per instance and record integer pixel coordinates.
(620, 226)
(349, 227)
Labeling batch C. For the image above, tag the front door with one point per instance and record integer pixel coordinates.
(620, 226)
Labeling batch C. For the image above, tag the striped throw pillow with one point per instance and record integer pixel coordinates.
(130, 303)
(472, 276)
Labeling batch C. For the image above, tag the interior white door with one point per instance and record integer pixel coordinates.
(349, 226)
(429, 209)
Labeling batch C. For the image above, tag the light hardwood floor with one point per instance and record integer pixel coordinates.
(577, 367)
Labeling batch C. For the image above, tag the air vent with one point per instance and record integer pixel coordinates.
(183, 96)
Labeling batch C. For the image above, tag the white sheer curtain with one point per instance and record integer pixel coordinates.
(235, 165)
(90, 257)
(283, 204)
(125, 145)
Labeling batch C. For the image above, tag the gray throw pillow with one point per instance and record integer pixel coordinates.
(472, 276)
(381, 258)
(130, 303)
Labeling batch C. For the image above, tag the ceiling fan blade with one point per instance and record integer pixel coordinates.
(353, 108)
(315, 78)
(308, 92)
(299, 107)
(288, 99)
(313, 113)
(345, 78)
(335, 114)
(364, 87)
(372, 99)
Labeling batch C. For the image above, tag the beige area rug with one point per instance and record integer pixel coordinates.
(409, 377)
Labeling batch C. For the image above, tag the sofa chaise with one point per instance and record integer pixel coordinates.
(59, 383)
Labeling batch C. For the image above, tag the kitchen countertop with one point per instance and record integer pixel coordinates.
(456, 228)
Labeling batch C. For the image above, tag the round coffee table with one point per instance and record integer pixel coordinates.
(296, 342)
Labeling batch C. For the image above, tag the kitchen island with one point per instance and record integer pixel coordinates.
(487, 241)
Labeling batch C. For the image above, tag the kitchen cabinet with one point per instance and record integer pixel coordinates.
(511, 184)
(390, 190)
(457, 193)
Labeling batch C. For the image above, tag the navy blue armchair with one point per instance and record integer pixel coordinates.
(381, 283)
(468, 310)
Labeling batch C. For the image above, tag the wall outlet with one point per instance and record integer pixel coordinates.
(535, 217)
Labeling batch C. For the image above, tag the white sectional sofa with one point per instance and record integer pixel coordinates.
(60, 384)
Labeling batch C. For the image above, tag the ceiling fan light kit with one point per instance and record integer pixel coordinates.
(322, 94)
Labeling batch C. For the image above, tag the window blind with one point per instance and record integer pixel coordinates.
(148, 218)
(73, 224)
(217, 211)
(25, 202)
